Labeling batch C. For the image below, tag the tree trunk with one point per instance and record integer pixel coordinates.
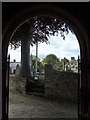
(25, 58)
(36, 62)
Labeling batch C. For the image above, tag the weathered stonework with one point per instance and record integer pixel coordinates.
(17, 84)
(61, 85)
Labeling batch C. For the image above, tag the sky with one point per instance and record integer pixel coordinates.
(61, 48)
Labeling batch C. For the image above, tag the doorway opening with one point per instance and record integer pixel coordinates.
(44, 13)
(51, 84)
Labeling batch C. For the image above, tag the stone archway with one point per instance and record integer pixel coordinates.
(78, 30)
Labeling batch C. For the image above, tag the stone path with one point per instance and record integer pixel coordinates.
(30, 106)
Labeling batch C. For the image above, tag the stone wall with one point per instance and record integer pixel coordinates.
(17, 84)
(61, 85)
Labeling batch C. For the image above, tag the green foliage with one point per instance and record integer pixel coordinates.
(51, 59)
(44, 62)
(58, 66)
(34, 60)
(39, 28)
(39, 64)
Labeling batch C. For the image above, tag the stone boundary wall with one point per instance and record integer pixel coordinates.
(17, 84)
(61, 85)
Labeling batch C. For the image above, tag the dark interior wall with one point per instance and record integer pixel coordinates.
(79, 10)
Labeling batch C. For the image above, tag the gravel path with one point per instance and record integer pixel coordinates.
(30, 106)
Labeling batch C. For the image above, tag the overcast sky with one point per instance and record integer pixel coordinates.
(61, 48)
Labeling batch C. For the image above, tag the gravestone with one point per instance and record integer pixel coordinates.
(10, 70)
(17, 73)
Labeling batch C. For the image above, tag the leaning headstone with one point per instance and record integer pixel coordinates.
(17, 73)
(10, 71)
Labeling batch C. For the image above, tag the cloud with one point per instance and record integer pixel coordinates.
(14, 54)
(42, 56)
(61, 48)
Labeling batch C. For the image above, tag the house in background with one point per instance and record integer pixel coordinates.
(72, 65)
(69, 65)
(13, 66)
